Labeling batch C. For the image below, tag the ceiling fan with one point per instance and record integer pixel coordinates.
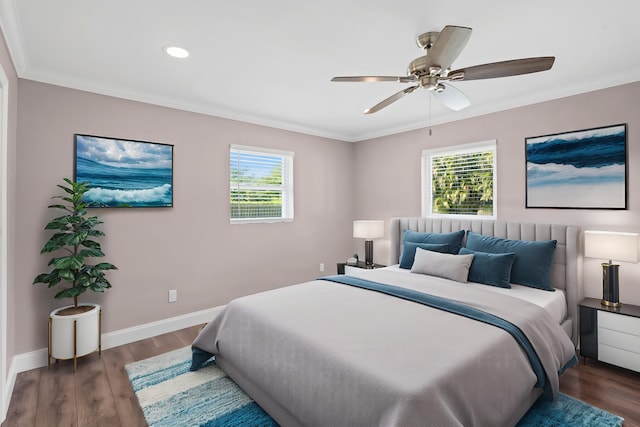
(433, 70)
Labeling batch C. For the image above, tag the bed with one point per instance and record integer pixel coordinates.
(375, 350)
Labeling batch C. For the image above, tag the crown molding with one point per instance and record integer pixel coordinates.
(13, 35)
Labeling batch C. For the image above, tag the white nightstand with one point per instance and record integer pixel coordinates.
(610, 335)
(351, 269)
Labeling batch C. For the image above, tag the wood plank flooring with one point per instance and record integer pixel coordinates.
(99, 393)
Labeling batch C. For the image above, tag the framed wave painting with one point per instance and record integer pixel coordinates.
(123, 172)
(585, 169)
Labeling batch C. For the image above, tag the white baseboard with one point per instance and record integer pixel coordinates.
(38, 358)
(148, 330)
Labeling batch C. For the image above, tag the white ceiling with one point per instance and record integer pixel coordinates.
(270, 62)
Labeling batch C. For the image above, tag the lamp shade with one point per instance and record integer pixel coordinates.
(368, 229)
(611, 245)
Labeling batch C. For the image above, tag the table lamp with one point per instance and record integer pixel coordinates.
(611, 245)
(368, 230)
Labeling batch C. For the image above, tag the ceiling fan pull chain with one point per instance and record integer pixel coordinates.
(429, 93)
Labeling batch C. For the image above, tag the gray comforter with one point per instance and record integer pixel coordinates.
(327, 354)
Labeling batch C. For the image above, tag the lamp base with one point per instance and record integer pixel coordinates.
(611, 304)
(610, 293)
(368, 253)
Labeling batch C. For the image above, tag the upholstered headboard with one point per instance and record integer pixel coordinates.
(566, 271)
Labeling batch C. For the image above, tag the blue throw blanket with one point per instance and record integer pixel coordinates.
(455, 307)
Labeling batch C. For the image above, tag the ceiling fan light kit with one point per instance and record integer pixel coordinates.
(432, 71)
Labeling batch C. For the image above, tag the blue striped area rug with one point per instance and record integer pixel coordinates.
(171, 395)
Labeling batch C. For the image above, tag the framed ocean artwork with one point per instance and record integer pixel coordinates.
(585, 169)
(124, 172)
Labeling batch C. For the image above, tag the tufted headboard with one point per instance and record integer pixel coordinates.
(566, 271)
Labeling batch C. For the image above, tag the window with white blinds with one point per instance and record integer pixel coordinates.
(460, 181)
(261, 184)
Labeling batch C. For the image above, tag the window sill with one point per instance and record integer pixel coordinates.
(259, 220)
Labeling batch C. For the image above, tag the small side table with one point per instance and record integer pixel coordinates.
(610, 335)
(343, 267)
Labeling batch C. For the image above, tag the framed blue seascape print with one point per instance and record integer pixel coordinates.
(124, 172)
(585, 169)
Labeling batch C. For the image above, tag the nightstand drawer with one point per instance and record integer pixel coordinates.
(619, 357)
(350, 270)
(611, 335)
(616, 322)
(620, 340)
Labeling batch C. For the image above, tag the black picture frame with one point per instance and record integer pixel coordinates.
(124, 172)
(582, 169)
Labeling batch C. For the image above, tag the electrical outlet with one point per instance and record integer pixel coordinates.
(321, 267)
(173, 295)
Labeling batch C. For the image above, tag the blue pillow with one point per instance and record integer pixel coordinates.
(490, 269)
(532, 263)
(454, 239)
(409, 251)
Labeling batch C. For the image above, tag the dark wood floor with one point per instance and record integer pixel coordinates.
(99, 393)
(613, 389)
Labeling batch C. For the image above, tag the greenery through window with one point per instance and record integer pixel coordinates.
(460, 181)
(261, 184)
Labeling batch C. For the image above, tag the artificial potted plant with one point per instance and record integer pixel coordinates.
(74, 330)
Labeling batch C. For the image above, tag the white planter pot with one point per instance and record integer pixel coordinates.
(72, 336)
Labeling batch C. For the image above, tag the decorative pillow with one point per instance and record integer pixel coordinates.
(409, 251)
(533, 260)
(490, 269)
(454, 239)
(454, 267)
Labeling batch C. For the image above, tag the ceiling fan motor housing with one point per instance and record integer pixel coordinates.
(422, 66)
(426, 40)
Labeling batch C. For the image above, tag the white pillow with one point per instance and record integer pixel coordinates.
(454, 267)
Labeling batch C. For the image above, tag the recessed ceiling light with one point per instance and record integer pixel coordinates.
(176, 52)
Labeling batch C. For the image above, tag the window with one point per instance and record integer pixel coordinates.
(460, 181)
(261, 184)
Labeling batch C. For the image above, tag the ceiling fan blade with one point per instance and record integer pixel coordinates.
(399, 79)
(451, 97)
(448, 46)
(390, 100)
(513, 67)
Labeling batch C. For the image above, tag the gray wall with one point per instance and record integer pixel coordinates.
(191, 247)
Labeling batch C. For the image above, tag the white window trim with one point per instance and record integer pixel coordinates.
(7, 379)
(287, 177)
(426, 187)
